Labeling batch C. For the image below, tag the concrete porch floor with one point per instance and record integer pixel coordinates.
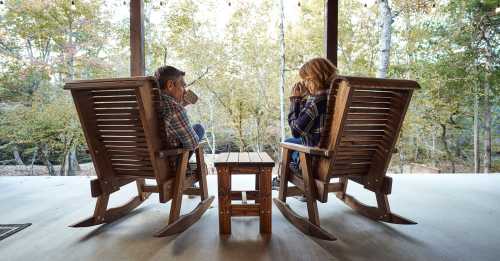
(457, 215)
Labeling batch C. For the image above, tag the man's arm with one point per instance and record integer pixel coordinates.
(181, 126)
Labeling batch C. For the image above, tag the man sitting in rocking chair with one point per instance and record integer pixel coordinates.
(171, 82)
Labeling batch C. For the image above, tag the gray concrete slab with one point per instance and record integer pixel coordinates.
(457, 215)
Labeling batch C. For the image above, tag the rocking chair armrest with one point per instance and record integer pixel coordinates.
(306, 149)
(201, 144)
(171, 152)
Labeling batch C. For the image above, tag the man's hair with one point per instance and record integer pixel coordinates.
(165, 73)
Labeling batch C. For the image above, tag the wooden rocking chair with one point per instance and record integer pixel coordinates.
(127, 142)
(363, 123)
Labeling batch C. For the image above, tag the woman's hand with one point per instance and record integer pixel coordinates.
(297, 90)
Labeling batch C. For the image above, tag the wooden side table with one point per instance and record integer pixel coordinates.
(258, 164)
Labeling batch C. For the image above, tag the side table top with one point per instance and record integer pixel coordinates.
(244, 159)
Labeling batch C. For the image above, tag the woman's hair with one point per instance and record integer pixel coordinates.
(165, 73)
(320, 71)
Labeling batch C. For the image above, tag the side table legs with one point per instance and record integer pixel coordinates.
(262, 200)
(224, 180)
(265, 200)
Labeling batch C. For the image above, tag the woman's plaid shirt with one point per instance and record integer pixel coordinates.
(177, 126)
(307, 118)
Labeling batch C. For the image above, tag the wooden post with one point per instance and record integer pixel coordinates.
(331, 29)
(137, 38)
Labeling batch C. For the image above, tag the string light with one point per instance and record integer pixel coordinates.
(229, 3)
(73, 6)
(161, 3)
(298, 4)
(497, 10)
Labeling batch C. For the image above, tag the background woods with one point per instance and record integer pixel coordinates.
(232, 55)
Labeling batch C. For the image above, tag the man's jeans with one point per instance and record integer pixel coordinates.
(200, 131)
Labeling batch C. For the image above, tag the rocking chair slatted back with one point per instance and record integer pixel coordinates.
(119, 118)
(364, 117)
(363, 123)
(127, 142)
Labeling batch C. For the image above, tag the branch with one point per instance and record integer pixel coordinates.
(219, 99)
(199, 77)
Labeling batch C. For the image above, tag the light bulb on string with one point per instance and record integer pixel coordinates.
(73, 6)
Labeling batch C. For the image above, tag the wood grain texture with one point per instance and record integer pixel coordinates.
(137, 63)
(253, 163)
(185, 221)
(125, 139)
(364, 119)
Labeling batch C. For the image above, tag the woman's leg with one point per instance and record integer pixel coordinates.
(295, 154)
(295, 161)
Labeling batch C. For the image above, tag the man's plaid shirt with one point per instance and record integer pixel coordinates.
(307, 118)
(177, 126)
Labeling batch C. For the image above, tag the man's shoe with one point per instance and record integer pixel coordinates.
(194, 186)
(275, 183)
(301, 198)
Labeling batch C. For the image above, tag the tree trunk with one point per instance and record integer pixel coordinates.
(385, 22)
(33, 159)
(76, 164)
(282, 70)
(257, 126)
(72, 49)
(165, 55)
(433, 149)
(62, 169)
(476, 133)
(17, 156)
(401, 154)
(211, 105)
(416, 149)
(45, 157)
(240, 128)
(487, 127)
(446, 148)
(72, 163)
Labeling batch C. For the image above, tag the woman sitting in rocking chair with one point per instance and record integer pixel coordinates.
(308, 104)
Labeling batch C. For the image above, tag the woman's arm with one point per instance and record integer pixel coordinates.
(295, 108)
(302, 122)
